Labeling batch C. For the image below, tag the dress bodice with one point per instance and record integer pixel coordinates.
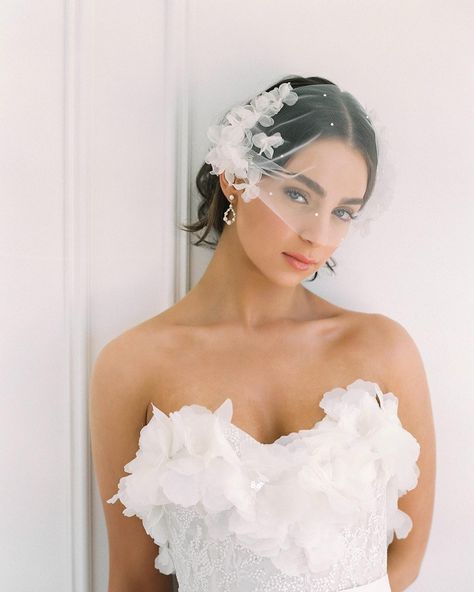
(313, 511)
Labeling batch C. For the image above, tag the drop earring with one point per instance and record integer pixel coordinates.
(231, 210)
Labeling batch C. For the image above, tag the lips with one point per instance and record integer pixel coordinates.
(300, 257)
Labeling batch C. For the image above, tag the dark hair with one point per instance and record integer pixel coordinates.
(351, 126)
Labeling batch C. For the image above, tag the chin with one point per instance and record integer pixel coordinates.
(289, 280)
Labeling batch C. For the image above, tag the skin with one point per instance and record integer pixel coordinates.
(249, 330)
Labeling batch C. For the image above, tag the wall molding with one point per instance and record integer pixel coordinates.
(177, 134)
(78, 117)
(76, 286)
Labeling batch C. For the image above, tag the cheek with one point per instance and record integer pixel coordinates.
(261, 232)
(326, 251)
(263, 236)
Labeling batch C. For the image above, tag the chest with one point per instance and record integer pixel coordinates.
(275, 379)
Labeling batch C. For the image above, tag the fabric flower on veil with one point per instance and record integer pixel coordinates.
(267, 143)
(251, 190)
(269, 103)
(232, 140)
(229, 153)
(242, 116)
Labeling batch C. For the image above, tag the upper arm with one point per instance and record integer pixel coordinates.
(117, 408)
(405, 377)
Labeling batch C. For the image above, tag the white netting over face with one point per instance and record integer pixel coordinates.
(254, 144)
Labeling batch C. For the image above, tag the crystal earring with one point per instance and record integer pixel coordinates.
(231, 210)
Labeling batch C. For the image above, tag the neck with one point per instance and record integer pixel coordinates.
(234, 290)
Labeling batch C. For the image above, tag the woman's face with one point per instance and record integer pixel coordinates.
(287, 224)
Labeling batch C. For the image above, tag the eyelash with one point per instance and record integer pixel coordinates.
(352, 214)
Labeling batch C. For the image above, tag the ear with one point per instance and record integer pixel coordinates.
(228, 189)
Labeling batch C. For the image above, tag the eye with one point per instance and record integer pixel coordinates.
(351, 215)
(347, 214)
(293, 191)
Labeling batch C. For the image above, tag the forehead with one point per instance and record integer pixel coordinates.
(326, 151)
(331, 162)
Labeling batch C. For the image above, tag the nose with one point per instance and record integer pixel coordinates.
(316, 234)
(320, 230)
(316, 227)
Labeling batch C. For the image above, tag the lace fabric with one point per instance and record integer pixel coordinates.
(202, 563)
(313, 511)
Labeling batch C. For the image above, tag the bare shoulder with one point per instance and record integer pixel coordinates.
(405, 377)
(126, 368)
(380, 336)
(117, 388)
(117, 403)
(389, 331)
(117, 370)
(119, 385)
(384, 348)
(370, 324)
(396, 350)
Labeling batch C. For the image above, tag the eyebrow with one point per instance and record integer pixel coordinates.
(316, 187)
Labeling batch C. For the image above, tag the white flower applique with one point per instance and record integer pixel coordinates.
(228, 153)
(233, 140)
(251, 190)
(269, 103)
(267, 143)
(242, 115)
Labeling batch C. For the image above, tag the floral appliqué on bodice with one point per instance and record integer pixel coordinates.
(313, 511)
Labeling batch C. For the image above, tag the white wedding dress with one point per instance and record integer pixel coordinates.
(313, 511)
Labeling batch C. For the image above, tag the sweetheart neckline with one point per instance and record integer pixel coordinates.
(245, 432)
(295, 432)
(378, 395)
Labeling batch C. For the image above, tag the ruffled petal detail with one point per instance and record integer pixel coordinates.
(289, 500)
(397, 449)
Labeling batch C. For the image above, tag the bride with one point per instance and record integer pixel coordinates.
(257, 436)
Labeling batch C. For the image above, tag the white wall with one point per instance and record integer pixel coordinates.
(94, 174)
(35, 387)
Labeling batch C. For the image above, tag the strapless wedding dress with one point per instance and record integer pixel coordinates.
(313, 511)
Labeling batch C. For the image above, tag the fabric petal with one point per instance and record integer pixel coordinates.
(288, 501)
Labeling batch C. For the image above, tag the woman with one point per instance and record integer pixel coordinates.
(256, 470)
